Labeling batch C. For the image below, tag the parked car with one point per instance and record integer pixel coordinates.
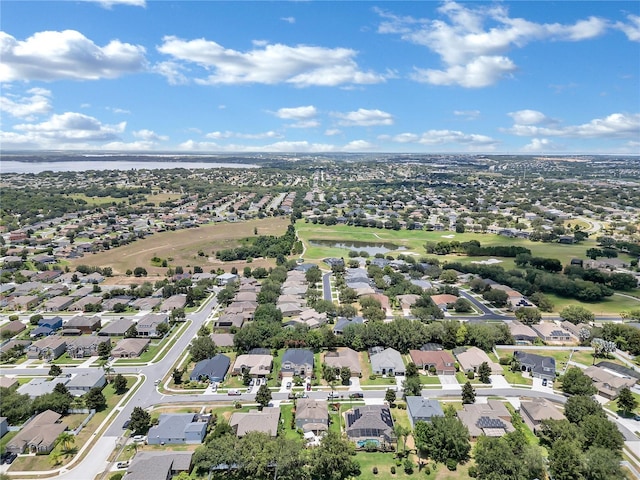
(122, 464)
(544, 382)
(126, 424)
(234, 391)
(357, 395)
(288, 385)
(10, 458)
(139, 438)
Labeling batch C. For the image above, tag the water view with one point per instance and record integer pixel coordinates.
(370, 248)
(12, 166)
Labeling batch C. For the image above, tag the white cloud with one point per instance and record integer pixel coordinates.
(69, 127)
(108, 4)
(332, 131)
(27, 107)
(359, 146)
(468, 114)
(120, 111)
(441, 137)
(540, 145)
(67, 54)
(172, 71)
(616, 125)
(297, 113)
(631, 29)
(480, 72)
(288, 19)
(472, 41)
(528, 117)
(284, 146)
(150, 136)
(300, 65)
(364, 118)
(228, 134)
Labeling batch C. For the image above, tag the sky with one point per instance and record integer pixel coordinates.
(520, 77)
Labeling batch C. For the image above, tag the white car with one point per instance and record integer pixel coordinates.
(138, 438)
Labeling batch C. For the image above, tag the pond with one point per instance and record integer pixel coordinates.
(370, 248)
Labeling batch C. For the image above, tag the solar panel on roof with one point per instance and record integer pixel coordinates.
(488, 422)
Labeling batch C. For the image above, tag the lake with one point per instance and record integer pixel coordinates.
(12, 166)
(370, 248)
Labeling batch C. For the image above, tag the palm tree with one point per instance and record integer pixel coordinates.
(66, 440)
(400, 433)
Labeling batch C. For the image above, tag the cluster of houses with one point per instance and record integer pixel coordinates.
(551, 333)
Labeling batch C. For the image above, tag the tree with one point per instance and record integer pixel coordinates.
(66, 440)
(484, 372)
(542, 301)
(140, 421)
(411, 370)
(131, 332)
(202, 348)
(177, 375)
(626, 401)
(55, 370)
(528, 315)
(34, 319)
(508, 458)
(602, 347)
(579, 407)
(313, 275)
(449, 276)
(412, 387)
(119, 383)
(104, 349)
(499, 298)
(263, 397)
(575, 382)
(162, 329)
(566, 461)
(333, 459)
(468, 393)
(598, 431)
(390, 396)
(15, 406)
(442, 439)
(576, 314)
(602, 464)
(345, 375)
(94, 399)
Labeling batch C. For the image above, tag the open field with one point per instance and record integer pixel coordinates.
(609, 306)
(412, 241)
(92, 201)
(181, 247)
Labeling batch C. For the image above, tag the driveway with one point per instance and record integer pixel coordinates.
(498, 381)
(354, 384)
(449, 382)
(537, 386)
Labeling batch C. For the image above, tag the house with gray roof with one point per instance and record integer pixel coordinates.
(158, 465)
(387, 362)
(342, 322)
(148, 325)
(491, 419)
(265, 421)
(212, 369)
(177, 428)
(81, 383)
(116, 328)
(536, 410)
(370, 423)
(130, 347)
(85, 346)
(39, 435)
(48, 348)
(423, 409)
(538, 366)
(40, 386)
(297, 361)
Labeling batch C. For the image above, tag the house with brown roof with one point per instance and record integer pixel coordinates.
(608, 382)
(575, 329)
(86, 325)
(536, 410)
(491, 419)
(344, 357)
(549, 332)
(441, 301)
(39, 435)
(522, 334)
(472, 357)
(48, 348)
(23, 302)
(82, 304)
(312, 415)
(58, 304)
(85, 346)
(11, 329)
(130, 347)
(370, 422)
(116, 328)
(441, 360)
(265, 421)
(173, 302)
(258, 365)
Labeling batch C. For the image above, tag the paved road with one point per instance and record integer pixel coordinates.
(326, 286)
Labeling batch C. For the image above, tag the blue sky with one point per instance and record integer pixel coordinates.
(495, 77)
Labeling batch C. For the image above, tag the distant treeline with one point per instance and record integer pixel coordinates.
(268, 246)
(475, 249)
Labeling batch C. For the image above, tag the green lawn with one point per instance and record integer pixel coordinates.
(384, 462)
(608, 306)
(613, 406)
(286, 416)
(516, 378)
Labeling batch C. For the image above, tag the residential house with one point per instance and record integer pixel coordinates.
(81, 383)
(422, 409)
(11, 329)
(146, 303)
(39, 435)
(48, 348)
(177, 428)
(574, 329)
(8, 382)
(85, 346)
(342, 322)
(441, 301)
(226, 321)
(130, 347)
(4, 426)
(471, 358)
(227, 278)
(537, 365)
(344, 357)
(222, 339)
(491, 419)
(148, 325)
(158, 465)
(41, 386)
(86, 325)
(536, 410)
(23, 302)
(406, 302)
(297, 361)
(608, 382)
(549, 332)
(311, 318)
(521, 333)
(265, 421)
(312, 415)
(387, 362)
(58, 304)
(441, 360)
(116, 328)
(82, 304)
(212, 369)
(370, 423)
(54, 323)
(173, 302)
(258, 365)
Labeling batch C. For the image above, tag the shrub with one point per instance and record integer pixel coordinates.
(393, 470)
(505, 360)
(427, 470)
(408, 466)
(375, 470)
(372, 377)
(115, 476)
(473, 471)
(471, 375)
(451, 464)
(13, 318)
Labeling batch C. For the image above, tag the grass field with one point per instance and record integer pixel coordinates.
(609, 306)
(92, 201)
(181, 248)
